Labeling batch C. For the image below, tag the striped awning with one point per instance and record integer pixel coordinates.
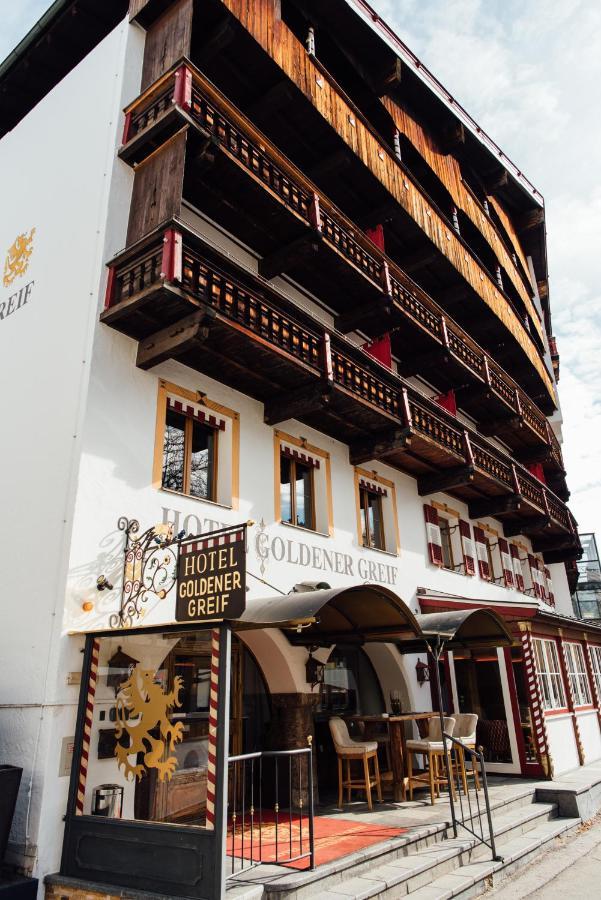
(205, 416)
(372, 487)
(300, 456)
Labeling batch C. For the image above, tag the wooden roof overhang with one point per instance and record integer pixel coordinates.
(216, 317)
(352, 615)
(301, 232)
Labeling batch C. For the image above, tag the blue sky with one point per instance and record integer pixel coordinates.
(529, 72)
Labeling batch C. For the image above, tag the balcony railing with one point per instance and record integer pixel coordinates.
(162, 279)
(185, 93)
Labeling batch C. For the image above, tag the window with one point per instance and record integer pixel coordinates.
(196, 446)
(577, 676)
(372, 526)
(377, 524)
(189, 455)
(297, 501)
(549, 673)
(491, 562)
(303, 489)
(446, 543)
(595, 658)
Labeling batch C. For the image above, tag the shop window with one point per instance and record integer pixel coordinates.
(303, 492)
(377, 525)
(549, 673)
(595, 658)
(196, 446)
(349, 684)
(577, 675)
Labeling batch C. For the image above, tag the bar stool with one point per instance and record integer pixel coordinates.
(465, 731)
(347, 751)
(431, 747)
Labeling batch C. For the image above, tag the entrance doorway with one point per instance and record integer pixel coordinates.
(481, 688)
(350, 686)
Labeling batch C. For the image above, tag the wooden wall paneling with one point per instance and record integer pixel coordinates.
(167, 40)
(291, 56)
(158, 186)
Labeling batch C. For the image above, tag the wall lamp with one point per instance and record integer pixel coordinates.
(422, 670)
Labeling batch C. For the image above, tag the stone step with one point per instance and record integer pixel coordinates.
(403, 865)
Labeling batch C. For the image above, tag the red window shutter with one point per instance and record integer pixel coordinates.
(482, 553)
(506, 562)
(448, 402)
(380, 350)
(467, 547)
(537, 470)
(533, 563)
(550, 594)
(376, 235)
(517, 567)
(433, 535)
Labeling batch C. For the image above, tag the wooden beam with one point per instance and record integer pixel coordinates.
(495, 506)
(563, 541)
(496, 180)
(272, 100)
(175, 339)
(542, 453)
(497, 426)
(446, 480)
(561, 556)
(374, 310)
(295, 404)
(527, 526)
(452, 138)
(218, 39)
(421, 258)
(329, 165)
(379, 445)
(388, 78)
(530, 220)
(289, 255)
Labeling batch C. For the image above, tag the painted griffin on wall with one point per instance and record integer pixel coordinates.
(142, 707)
(17, 258)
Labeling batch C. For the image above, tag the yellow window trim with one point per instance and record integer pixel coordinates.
(165, 388)
(279, 438)
(390, 486)
(491, 531)
(446, 509)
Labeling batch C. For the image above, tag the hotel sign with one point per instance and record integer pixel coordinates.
(211, 577)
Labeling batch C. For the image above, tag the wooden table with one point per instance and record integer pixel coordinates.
(398, 746)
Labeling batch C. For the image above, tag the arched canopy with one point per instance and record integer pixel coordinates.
(461, 628)
(357, 614)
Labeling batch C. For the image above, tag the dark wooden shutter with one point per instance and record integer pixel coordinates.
(482, 553)
(517, 567)
(506, 562)
(534, 574)
(433, 535)
(467, 547)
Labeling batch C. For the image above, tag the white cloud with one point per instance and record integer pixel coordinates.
(529, 74)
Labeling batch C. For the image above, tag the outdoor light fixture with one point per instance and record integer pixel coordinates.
(103, 584)
(313, 670)
(119, 666)
(422, 670)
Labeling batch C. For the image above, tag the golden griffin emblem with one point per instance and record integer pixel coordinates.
(142, 707)
(17, 258)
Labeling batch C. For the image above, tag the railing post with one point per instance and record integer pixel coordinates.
(126, 127)
(328, 369)
(182, 93)
(171, 260)
(444, 333)
(315, 213)
(110, 288)
(405, 408)
(385, 279)
(469, 454)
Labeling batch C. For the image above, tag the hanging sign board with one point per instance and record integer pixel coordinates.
(211, 577)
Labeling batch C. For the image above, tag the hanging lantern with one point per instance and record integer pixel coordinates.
(422, 670)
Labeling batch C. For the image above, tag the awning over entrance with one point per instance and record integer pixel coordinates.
(357, 614)
(461, 628)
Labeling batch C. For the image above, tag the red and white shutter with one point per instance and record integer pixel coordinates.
(482, 553)
(534, 575)
(517, 567)
(467, 547)
(433, 535)
(550, 594)
(506, 562)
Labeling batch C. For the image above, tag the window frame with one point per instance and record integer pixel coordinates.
(293, 501)
(392, 515)
(445, 529)
(365, 533)
(187, 461)
(281, 438)
(550, 678)
(167, 389)
(596, 670)
(579, 676)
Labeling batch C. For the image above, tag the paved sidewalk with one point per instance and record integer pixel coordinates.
(571, 868)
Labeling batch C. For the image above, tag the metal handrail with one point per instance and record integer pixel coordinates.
(476, 817)
(250, 813)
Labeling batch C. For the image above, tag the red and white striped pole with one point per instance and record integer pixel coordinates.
(87, 728)
(536, 704)
(213, 707)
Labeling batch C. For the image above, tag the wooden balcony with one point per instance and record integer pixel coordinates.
(254, 191)
(179, 298)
